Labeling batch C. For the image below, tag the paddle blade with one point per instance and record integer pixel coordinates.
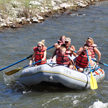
(13, 71)
(93, 83)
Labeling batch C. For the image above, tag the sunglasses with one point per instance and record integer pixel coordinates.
(66, 41)
(90, 38)
(39, 46)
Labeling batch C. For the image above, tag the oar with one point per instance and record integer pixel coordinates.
(16, 62)
(93, 82)
(18, 69)
(96, 61)
(99, 62)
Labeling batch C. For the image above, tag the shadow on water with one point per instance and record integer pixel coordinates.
(46, 87)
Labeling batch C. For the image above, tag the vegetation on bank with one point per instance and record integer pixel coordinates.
(14, 13)
(25, 7)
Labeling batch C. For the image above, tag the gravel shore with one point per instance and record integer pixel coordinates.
(17, 12)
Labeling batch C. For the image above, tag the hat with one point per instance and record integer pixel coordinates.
(68, 39)
(42, 42)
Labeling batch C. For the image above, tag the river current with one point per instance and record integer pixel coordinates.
(16, 44)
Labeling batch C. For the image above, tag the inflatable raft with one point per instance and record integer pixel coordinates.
(53, 73)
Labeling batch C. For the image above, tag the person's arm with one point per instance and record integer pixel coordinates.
(57, 46)
(90, 59)
(98, 52)
(54, 58)
(44, 56)
(31, 61)
(79, 51)
(72, 48)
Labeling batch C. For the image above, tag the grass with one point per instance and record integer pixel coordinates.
(22, 8)
(24, 4)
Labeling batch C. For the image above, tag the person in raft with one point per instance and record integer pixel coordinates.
(81, 61)
(62, 58)
(39, 53)
(69, 48)
(93, 48)
(61, 42)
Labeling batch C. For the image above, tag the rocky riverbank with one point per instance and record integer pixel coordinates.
(16, 13)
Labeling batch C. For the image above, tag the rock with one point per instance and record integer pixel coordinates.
(24, 20)
(64, 5)
(40, 18)
(56, 8)
(81, 4)
(1, 20)
(53, 3)
(9, 23)
(21, 20)
(20, 14)
(15, 25)
(3, 25)
(34, 3)
(28, 20)
(58, 1)
(16, 2)
(35, 20)
(71, 4)
(18, 20)
(44, 9)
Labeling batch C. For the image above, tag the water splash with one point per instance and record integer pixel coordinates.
(99, 104)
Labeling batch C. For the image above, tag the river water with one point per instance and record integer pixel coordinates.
(16, 44)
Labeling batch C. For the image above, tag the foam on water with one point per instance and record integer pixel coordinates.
(99, 104)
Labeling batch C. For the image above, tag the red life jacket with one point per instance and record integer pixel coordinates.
(82, 60)
(62, 60)
(67, 52)
(91, 49)
(39, 55)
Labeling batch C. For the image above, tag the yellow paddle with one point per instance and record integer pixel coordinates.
(93, 82)
(13, 71)
(18, 69)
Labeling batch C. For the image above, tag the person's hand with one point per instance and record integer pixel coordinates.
(71, 49)
(30, 63)
(55, 44)
(43, 59)
(85, 48)
(97, 62)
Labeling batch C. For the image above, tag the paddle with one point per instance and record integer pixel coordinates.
(16, 62)
(99, 62)
(93, 82)
(18, 69)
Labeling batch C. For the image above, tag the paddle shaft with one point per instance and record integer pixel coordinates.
(99, 62)
(22, 60)
(88, 59)
(93, 82)
(39, 60)
(16, 63)
(96, 60)
(18, 69)
(32, 64)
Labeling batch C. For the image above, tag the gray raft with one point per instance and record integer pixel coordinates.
(53, 73)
